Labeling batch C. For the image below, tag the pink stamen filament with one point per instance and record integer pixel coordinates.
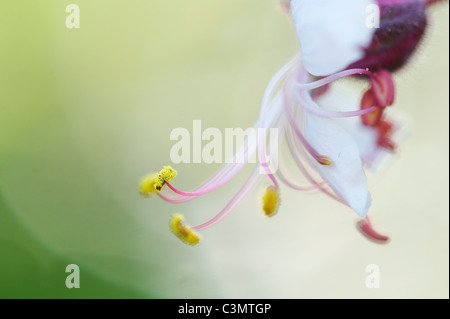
(294, 149)
(222, 177)
(208, 187)
(228, 172)
(291, 120)
(303, 188)
(229, 207)
(269, 174)
(331, 78)
(297, 152)
(191, 194)
(274, 81)
(308, 103)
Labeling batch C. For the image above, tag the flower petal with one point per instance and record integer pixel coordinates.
(345, 175)
(332, 33)
(364, 136)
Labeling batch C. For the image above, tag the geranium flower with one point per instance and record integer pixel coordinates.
(329, 144)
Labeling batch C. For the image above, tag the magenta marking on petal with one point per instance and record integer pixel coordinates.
(433, 1)
(402, 25)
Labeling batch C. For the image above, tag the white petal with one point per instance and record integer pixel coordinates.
(332, 33)
(345, 175)
(364, 136)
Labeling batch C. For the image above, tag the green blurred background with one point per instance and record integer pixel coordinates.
(84, 113)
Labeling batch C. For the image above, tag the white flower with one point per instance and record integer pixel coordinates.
(331, 145)
(332, 33)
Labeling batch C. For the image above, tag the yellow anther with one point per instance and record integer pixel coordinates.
(147, 185)
(271, 201)
(324, 160)
(182, 231)
(165, 176)
(154, 182)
